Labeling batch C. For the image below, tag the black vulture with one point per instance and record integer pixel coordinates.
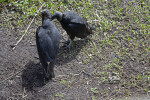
(74, 25)
(47, 40)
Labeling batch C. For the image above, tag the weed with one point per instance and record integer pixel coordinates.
(60, 96)
(94, 90)
(93, 98)
(62, 81)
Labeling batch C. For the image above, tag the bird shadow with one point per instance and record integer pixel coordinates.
(32, 76)
(65, 55)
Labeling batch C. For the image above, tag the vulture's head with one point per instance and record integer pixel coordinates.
(90, 28)
(46, 14)
(57, 15)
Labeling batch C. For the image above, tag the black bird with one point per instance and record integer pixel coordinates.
(74, 25)
(47, 40)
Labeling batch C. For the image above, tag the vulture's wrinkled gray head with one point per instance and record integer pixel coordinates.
(46, 13)
(57, 15)
(90, 29)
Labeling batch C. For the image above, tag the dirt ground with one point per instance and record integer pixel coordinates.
(20, 73)
(20, 70)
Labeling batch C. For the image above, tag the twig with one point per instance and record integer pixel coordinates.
(93, 43)
(97, 15)
(94, 21)
(26, 29)
(23, 95)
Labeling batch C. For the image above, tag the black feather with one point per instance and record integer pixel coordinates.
(74, 25)
(47, 40)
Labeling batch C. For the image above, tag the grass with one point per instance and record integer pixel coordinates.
(120, 46)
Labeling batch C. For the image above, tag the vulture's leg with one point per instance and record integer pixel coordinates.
(70, 44)
(71, 37)
(51, 70)
(68, 40)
